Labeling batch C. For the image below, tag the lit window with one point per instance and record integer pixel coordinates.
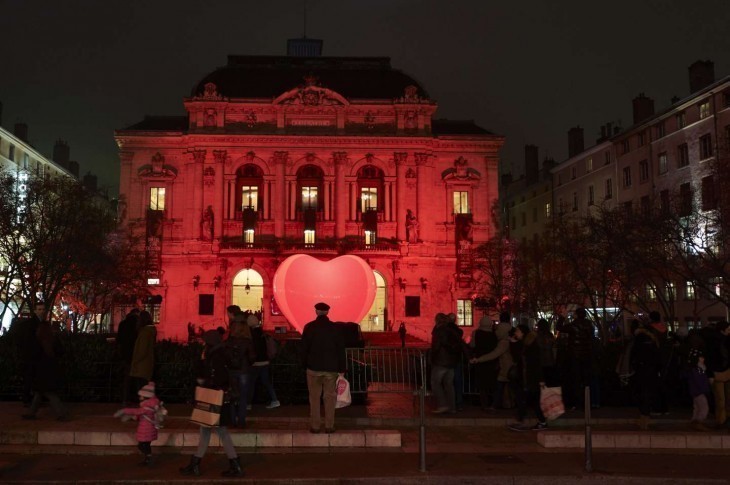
(627, 176)
(609, 189)
(650, 292)
(309, 198)
(548, 210)
(368, 198)
(248, 236)
(690, 291)
(663, 166)
(670, 291)
(716, 285)
(369, 238)
(464, 313)
(589, 165)
(461, 202)
(250, 197)
(309, 236)
(704, 110)
(157, 198)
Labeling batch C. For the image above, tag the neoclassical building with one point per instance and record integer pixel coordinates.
(318, 155)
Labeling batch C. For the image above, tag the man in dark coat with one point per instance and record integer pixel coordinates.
(645, 361)
(48, 372)
(323, 351)
(445, 354)
(126, 337)
(529, 379)
(29, 349)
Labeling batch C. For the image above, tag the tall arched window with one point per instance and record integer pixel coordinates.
(370, 182)
(249, 185)
(310, 180)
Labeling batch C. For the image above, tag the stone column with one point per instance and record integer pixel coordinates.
(220, 164)
(400, 161)
(425, 191)
(263, 199)
(354, 200)
(196, 194)
(386, 196)
(340, 159)
(327, 209)
(279, 198)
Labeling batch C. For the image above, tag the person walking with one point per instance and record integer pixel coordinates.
(503, 356)
(143, 355)
(241, 356)
(47, 378)
(261, 368)
(445, 352)
(126, 338)
(528, 378)
(699, 387)
(483, 341)
(146, 416)
(646, 363)
(323, 353)
(402, 332)
(213, 373)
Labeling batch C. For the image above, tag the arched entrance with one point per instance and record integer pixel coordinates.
(248, 290)
(374, 321)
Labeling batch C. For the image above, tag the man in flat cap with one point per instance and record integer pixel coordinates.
(323, 350)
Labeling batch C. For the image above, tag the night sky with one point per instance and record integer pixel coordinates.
(529, 70)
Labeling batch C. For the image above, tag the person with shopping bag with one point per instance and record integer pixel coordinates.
(323, 355)
(528, 380)
(214, 375)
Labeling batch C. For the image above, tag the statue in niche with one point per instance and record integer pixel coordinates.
(411, 227)
(210, 121)
(411, 121)
(206, 224)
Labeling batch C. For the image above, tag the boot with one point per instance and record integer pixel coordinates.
(234, 469)
(193, 468)
(147, 461)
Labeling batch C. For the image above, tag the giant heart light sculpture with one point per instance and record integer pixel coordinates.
(346, 284)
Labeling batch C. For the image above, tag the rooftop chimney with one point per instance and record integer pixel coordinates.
(21, 131)
(90, 182)
(61, 153)
(575, 141)
(701, 75)
(531, 164)
(643, 108)
(73, 167)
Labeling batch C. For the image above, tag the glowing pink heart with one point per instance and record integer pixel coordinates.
(346, 284)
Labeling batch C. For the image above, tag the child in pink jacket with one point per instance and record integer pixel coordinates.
(145, 415)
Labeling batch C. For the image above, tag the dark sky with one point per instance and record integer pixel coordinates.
(78, 69)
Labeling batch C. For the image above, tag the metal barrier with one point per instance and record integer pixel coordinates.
(392, 370)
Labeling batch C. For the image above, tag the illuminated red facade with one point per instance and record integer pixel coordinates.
(323, 156)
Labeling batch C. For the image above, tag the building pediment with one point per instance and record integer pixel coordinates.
(311, 95)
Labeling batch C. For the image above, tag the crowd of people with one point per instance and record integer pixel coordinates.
(512, 364)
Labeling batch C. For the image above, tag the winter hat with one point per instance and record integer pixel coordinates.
(148, 390)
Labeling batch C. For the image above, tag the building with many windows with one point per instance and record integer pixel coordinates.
(662, 157)
(324, 156)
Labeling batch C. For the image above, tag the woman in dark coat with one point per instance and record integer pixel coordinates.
(528, 378)
(48, 372)
(214, 374)
(645, 361)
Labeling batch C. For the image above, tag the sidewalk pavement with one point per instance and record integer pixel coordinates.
(472, 445)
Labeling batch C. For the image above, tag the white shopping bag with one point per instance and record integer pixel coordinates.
(344, 398)
(551, 402)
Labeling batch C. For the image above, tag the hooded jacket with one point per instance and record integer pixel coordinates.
(501, 352)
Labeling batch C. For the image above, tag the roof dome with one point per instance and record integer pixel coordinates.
(270, 76)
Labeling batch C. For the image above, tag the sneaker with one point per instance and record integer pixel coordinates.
(518, 426)
(273, 404)
(539, 426)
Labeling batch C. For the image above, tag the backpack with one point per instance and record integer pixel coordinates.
(234, 357)
(159, 416)
(272, 347)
